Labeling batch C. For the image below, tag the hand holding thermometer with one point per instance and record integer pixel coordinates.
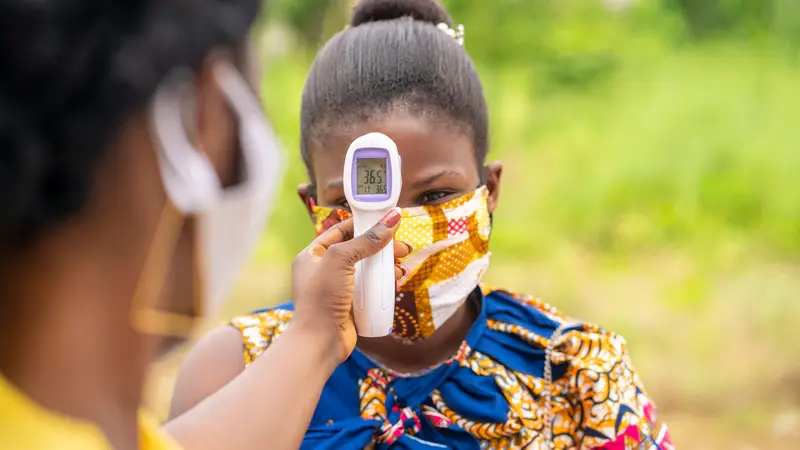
(372, 184)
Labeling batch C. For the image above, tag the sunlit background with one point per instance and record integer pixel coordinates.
(651, 185)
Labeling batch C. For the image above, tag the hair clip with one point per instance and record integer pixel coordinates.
(457, 34)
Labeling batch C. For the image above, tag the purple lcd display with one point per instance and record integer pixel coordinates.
(372, 175)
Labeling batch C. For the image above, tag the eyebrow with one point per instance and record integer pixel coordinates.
(338, 184)
(430, 179)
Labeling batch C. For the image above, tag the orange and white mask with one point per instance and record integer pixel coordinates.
(450, 256)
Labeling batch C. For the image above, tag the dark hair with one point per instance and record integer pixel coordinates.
(392, 55)
(72, 73)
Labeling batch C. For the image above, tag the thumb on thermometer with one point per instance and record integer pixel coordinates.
(372, 241)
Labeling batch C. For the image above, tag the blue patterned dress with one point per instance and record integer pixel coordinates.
(524, 377)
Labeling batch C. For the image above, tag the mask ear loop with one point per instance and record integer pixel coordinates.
(145, 317)
(484, 176)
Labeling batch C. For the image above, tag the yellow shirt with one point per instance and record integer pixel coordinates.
(26, 425)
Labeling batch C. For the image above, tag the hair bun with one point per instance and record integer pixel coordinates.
(430, 11)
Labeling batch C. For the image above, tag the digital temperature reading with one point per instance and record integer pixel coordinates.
(371, 173)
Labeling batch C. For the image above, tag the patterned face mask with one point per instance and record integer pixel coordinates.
(451, 254)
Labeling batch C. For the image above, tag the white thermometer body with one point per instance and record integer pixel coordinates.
(372, 183)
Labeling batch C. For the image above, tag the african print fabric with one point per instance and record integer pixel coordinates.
(491, 394)
(451, 254)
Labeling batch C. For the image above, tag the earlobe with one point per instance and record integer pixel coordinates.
(493, 175)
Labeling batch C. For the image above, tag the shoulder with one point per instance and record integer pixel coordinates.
(581, 349)
(503, 301)
(591, 368)
(152, 437)
(224, 352)
(533, 320)
(580, 353)
(527, 318)
(260, 328)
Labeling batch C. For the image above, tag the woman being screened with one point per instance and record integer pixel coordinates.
(467, 366)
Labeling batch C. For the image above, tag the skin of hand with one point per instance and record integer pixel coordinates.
(274, 399)
(323, 277)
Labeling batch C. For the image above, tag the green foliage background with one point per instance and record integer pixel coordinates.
(624, 129)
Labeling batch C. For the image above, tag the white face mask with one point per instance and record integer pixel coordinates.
(230, 221)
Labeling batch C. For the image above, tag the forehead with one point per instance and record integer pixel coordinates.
(425, 147)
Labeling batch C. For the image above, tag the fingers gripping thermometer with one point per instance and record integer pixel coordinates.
(372, 184)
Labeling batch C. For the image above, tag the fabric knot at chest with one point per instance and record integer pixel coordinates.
(395, 421)
(406, 421)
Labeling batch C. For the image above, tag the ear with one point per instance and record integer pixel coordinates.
(494, 172)
(215, 123)
(305, 197)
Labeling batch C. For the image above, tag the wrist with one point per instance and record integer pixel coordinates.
(321, 338)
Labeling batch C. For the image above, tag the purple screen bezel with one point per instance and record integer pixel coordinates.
(371, 152)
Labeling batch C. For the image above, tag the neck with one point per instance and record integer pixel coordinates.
(441, 346)
(66, 347)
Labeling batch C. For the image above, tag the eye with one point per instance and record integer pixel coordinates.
(433, 197)
(343, 204)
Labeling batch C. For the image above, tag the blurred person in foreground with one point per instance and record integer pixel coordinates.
(467, 366)
(136, 174)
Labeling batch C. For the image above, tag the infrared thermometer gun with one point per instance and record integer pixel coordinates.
(372, 186)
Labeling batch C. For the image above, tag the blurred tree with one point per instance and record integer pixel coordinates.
(566, 43)
(309, 19)
(713, 17)
(525, 30)
(786, 14)
(571, 42)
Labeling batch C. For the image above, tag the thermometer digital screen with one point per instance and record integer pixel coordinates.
(371, 176)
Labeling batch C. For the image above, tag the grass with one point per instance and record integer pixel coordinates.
(662, 202)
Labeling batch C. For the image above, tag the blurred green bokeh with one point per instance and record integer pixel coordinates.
(624, 128)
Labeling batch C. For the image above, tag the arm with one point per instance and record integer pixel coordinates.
(252, 409)
(272, 402)
(210, 365)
